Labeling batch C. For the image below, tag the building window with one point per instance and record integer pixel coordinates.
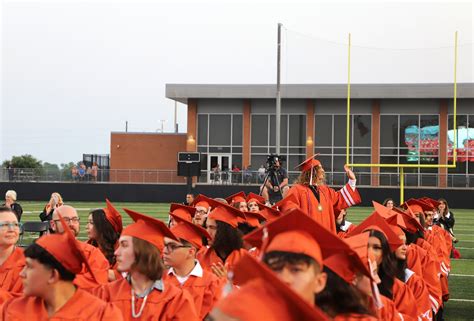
(409, 139)
(292, 139)
(330, 144)
(220, 134)
(463, 174)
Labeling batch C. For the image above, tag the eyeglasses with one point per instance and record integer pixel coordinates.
(170, 247)
(69, 220)
(202, 212)
(9, 225)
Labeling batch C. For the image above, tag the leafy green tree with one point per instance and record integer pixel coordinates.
(24, 161)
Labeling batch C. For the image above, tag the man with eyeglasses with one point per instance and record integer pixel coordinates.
(185, 271)
(12, 260)
(96, 259)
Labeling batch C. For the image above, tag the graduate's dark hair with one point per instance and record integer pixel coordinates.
(385, 201)
(245, 228)
(276, 260)
(340, 297)
(227, 240)
(4, 209)
(147, 259)
(107, 237)
(400, 266)
(413, 237)
(36, 252)
(387, 268)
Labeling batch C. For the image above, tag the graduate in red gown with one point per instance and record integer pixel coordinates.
(263, 296)
(103, 229)
(142, 295)
(318, 200)
(225, 246)
(12, 260)
(49, 292)
(185, 271)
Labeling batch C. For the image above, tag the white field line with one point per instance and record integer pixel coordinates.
(462, 275)
(465, 248)
(461, 300)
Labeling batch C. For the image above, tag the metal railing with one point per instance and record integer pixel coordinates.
(140, 176)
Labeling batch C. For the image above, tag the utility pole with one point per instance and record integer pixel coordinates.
(163, 121)
(126, 126)
(278, 93)
(175, 116)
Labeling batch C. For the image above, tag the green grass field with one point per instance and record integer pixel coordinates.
(461, 282)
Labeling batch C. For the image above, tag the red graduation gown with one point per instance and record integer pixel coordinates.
(354, 317)
(82, 306)
(330, 201)
(99, 265)
(10, 280)
(205, 290)
(388, 312)
(419, 289)
(170, 304)
(207, 256)
(404, 300)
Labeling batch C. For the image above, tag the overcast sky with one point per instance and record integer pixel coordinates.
(73, 71)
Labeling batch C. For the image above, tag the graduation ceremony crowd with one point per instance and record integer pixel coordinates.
(235, 258)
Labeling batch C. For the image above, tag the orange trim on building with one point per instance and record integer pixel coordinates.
(246, 134)
(443, 142)
(191, 141)
(309, 127)
(375, 156)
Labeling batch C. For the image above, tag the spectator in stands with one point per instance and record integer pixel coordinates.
(74, 173)
(94, 171)
(11, 172)
(10, 201)
(236, 174)
(247, 175)
(54, 202)
(88, 174)
(82, 171)
(216, 171)
(261, 174)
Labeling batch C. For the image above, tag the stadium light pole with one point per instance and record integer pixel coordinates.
(278, 93)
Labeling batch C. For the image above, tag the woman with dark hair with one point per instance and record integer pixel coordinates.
(390, 286)
(141, 295)
(103, 229)
(446, 217)
(414, 282)
(225, 247)
(389, 203)
(341, 300)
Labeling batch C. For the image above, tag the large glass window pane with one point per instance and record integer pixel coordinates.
(323, 130)
(429, 138)
(283, 130)
(339, 130)
(409, 139)
(237, 130)
(219, 130)
(257, 161)
(326, 161)
(259, 130)
(202, 129)
(297, 130)
(362, 125)
(293, 161)
(388, 131)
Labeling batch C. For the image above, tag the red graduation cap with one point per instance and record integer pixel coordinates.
(269, 213)
(236, 198)
(113, 216)
(148, 229)
(348, 264)
(376, 222)
(412, 225)
(417, 206)
(254, 218)
(190, 232)
(201, 201)
(252, 197)
(309, 164)
(226, 213)
(183, 211)
(263, 296)
(434, 203)
(296, 232)
(288, 203)
(66, 249)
